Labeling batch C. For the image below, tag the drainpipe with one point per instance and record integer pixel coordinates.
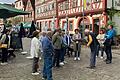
(57, 18)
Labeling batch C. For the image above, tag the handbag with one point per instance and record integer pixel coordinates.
(3, 46)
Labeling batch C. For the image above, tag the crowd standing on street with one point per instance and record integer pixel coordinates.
(54, 46)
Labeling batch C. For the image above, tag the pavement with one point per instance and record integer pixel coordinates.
(19, 68)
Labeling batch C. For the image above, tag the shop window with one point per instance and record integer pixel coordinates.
(71, 25)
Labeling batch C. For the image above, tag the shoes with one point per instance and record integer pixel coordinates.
(75, 59)
(62, 64)
(43, 78)
(29, 57)
(101, 57)
(105, 60)
(36, 73)
(108, 62)
(65, 62)
(91, 67)
(78, 59)
(5, 63)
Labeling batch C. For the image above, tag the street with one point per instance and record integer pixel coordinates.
(20, 68)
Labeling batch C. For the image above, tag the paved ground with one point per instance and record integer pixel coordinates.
(20, 68)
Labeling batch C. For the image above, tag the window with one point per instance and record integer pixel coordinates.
(16, 4)
(71, 25)
(74, 3)
(20, 3)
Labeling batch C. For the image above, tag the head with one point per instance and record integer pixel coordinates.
(67, 32)
(63, 32)
(49, 34)
(49, 29)
(101, 32)
(21, 24)
(43, 33)
(76, 31)
(87, 31)
(36, 34)
(110, 27)
(58, 30)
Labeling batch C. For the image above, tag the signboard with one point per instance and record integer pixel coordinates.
(117, 4)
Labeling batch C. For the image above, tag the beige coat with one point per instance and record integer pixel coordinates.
(76, 40)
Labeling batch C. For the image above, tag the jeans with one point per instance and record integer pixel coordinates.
(77, 53)
(35, 64)
(100, 49)
(108, 52)
(56, 59)
(4, 55)
(62, 54)
(47, 69)
(93, 56)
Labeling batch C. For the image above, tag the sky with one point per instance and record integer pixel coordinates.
(7, 1)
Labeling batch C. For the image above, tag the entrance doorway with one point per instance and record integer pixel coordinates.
(96, 27)
(83, 24)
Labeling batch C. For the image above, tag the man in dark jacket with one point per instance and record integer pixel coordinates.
(92, 43)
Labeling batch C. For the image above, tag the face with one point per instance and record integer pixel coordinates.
(109, 27)
(101, 32)
(76, 31)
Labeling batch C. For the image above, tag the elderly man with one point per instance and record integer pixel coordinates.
(47, 48)
(92, 43)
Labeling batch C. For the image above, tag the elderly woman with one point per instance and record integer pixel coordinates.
(77, 44)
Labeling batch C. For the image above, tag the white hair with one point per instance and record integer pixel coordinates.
(87, 30)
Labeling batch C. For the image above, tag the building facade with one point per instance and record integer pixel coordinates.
(82, 14)
(45, 14)
(71, 14)
(19, 5)
(30, 7)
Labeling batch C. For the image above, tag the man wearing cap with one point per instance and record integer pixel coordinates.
(92, 43)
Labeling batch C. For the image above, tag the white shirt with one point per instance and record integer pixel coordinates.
(35, 47)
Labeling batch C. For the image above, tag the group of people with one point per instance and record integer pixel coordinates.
(55, 45)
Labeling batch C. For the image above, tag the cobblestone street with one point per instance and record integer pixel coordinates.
(20, 68)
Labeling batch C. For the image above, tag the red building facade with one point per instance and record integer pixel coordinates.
(45, 14)
(82, 14)
(68, 14)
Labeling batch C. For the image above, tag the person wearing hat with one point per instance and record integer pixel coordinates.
(92, 43)
(35, 51)
(77, 44)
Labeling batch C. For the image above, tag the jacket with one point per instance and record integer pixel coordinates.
(57, 41)
(35, 47)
